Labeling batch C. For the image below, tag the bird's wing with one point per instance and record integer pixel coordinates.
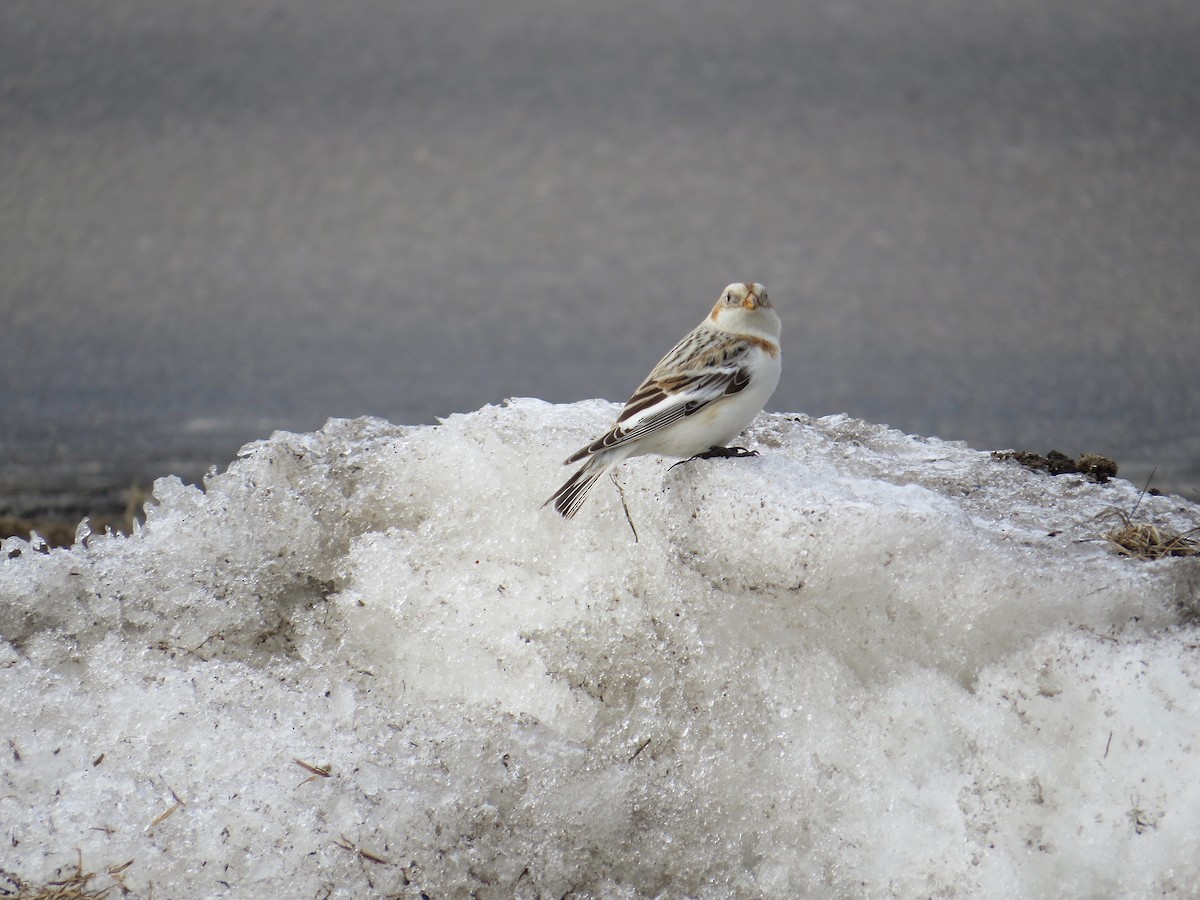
(672, 392)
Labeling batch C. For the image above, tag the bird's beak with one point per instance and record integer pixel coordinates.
(751, 301)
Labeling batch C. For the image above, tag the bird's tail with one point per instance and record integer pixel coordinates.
(568, 498)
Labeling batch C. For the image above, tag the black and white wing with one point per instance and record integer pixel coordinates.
(687, 380)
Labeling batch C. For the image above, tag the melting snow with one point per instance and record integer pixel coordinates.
(861, 663)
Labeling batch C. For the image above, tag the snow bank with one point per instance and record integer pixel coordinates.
(859, 664)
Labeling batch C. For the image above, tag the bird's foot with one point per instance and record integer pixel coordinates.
(725, 453)
(718, 453)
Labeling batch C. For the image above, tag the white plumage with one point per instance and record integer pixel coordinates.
(699, 397)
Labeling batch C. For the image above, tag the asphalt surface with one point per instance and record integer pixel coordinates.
(977, 221)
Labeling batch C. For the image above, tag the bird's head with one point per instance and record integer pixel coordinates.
(749, 296)
(745, 308)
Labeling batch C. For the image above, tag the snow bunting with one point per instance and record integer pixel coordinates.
(700, 395)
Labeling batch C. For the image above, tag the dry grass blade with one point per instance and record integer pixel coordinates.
(345, 844)
(72, 887)
(1141, 540)
(317, 771)
(624, 505)
(179, 804)
(115, 873)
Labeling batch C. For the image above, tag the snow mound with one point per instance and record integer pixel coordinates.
(366, 662)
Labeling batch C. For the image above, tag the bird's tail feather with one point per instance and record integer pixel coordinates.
(568, 498)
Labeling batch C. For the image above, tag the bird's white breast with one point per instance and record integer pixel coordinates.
(720, 422)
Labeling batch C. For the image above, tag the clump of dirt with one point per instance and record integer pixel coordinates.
(1091, 465)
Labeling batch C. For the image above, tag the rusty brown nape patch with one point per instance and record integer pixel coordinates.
(770, 347)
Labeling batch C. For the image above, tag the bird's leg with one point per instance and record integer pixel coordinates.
(718, 453)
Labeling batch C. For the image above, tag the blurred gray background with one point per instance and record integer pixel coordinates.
(979, 221)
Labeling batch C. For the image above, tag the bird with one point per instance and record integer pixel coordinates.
(700, 396)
